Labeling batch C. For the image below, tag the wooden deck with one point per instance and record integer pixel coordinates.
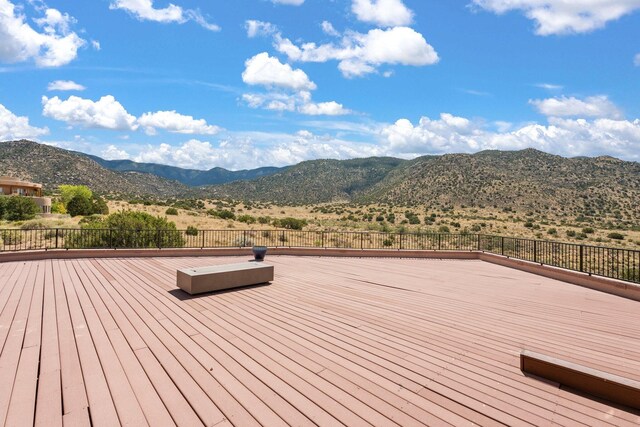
(331, 341)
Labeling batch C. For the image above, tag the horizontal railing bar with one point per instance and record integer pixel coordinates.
(616, 263)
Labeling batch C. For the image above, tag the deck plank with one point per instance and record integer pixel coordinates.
(332, 341)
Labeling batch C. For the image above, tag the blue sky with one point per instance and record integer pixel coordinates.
(252, 83)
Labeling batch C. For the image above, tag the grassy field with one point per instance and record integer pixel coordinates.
(349, 217)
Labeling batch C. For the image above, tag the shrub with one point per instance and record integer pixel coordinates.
(476, 228)
(443, 229)
(58, 208)
(247, 219)
(18, 208)
(291, 223)
(552, 231)
(3, 206)
(222, 214)
(191, 231)
(99, 206)
(615, 236)
(571, 233)
(528, 224)
(588, 230)
(264, 219)
(127, 229)
(34, 225)
(171, 211)
(79, 205)
(387, 242)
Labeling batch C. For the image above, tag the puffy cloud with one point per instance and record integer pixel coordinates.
(113, 153)
(330, 108)
(106, 113)
(64, 85)
(300, 102)
(329, 29)
(55, 46)
(268, 71)
(594, 106)
(562, 16)
(382, 12)
(359, 54)
(289, 2)
(174, 122)
(144, 11)
(16, 127)
(255, 149)
(568, 137)
(259, 28)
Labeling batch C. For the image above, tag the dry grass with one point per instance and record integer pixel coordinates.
(347, 217)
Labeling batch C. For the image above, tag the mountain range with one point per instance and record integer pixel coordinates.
(528, 179)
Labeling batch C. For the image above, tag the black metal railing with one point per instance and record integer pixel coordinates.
(617, 263)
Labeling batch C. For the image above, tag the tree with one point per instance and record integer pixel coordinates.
(68, 192)
(99, 206)
(79, 205)
(19, 208)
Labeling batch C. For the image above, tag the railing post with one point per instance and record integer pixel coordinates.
(439, 241)
(478, 243)
(158, 239)
(361, 241)
(401, 236)
(111, 238)
(582, 258)
(322, 238)
(244, 238)
(535, 251)
(203, 233)
(502, 245)
(57, 238)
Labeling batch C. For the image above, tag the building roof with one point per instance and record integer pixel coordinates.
(8, 180)
(331, 341)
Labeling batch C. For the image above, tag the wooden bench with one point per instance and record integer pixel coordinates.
(226, 276)
(613, 388)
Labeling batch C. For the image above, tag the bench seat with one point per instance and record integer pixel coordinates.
(226, 276)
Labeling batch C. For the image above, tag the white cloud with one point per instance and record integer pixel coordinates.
(330, 108)
(16, 127)
(55, 46)
(593, 106)
(568, 137)
(106, 113)
(636, 60)
(174, 122)
(143, 10)
(359, 54)
(255, 149)
(288, 2)
(268, 71)
(549, 86)
(329, 29)
(259, 28)
(114, 153)
(64, 85)
(387, 13)
(564, 16)
(96, 45)
(300, 102)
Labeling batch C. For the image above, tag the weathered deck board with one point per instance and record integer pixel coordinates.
(331, 341)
